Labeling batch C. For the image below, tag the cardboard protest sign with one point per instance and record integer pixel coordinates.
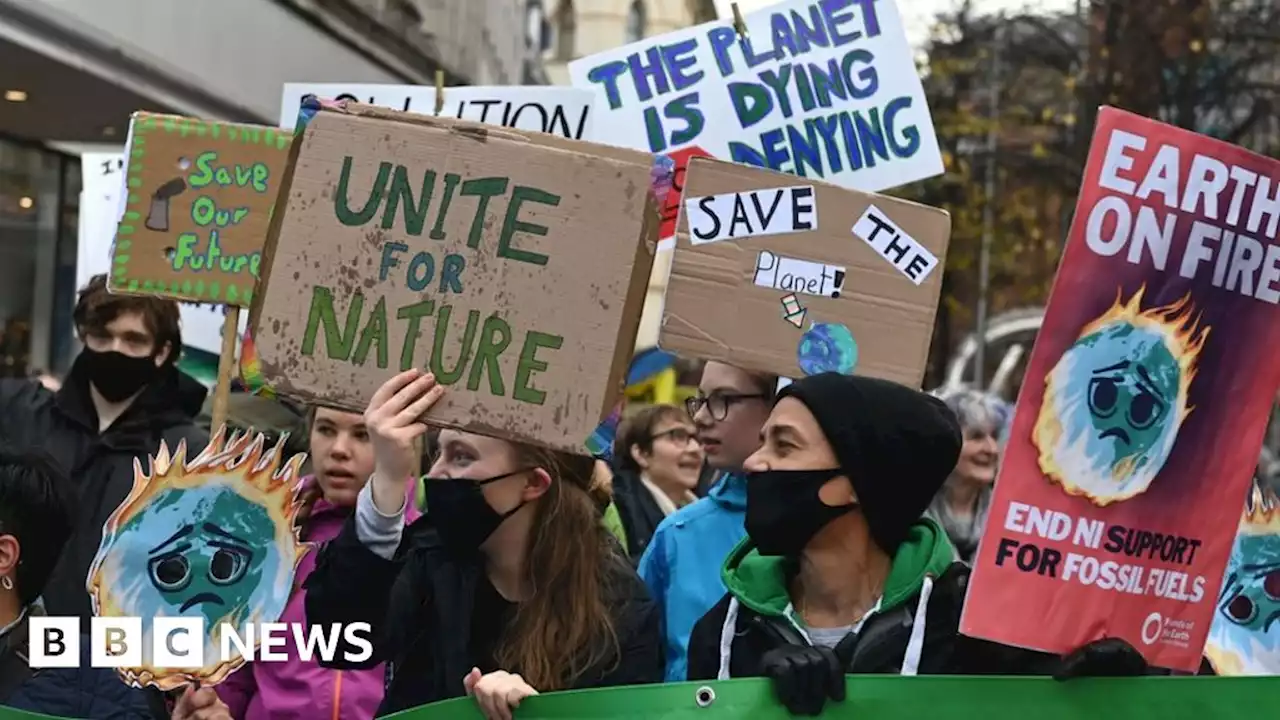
(814, 88)
(511, 264)
(891, 697)
(780, 274)
(559, 111)
(1146, 397)
(101, 204)
(210, 538)
(1244, 638)
(199, 202)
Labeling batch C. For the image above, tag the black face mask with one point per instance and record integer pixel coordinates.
(784, 511)
(460, 513)
(118, 376)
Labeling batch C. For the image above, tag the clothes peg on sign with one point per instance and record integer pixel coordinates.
(439, 91)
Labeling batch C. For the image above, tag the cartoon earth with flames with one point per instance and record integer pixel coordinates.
(212, 538)
(1244, 638)
(1115, 401)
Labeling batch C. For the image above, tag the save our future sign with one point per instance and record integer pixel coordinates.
(511, 264)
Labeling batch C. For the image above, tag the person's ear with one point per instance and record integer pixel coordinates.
(163, 355)
(641, 458)
(10, 554)
(537, 485)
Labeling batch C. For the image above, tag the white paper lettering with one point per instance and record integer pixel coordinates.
(900, 249)
(801, 276)
(732, 216)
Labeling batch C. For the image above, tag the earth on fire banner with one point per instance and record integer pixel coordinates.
(1138, 427)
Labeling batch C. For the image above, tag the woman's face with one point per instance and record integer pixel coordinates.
(675, 458)
(341, 454)
(978, 456)
(467, 456)
(793, 440)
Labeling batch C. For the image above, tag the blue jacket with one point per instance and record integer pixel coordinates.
(682, 564)
(83, 692)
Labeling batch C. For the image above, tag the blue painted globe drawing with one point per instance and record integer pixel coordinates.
(827, 347)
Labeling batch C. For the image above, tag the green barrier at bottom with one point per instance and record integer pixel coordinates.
(903, 698)
(892, 698)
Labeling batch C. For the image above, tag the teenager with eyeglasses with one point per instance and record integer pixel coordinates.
(658, 463)
(681, 566)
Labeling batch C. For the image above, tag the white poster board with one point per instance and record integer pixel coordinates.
(562, 111)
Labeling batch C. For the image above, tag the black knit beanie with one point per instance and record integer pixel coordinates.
(895, 444)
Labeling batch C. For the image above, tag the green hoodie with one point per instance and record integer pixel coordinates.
(760, 582)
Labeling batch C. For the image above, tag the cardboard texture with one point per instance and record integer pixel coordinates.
(766, 303)
(199, 204)
(511, 264)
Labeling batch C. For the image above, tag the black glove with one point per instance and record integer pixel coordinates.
(1108, 657)
(804, 676)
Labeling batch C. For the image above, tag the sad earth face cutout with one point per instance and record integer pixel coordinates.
(211, 538)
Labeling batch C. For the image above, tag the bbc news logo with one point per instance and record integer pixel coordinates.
(180, 643)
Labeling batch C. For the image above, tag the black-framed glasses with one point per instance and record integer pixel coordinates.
(717, 404)
(679, 435)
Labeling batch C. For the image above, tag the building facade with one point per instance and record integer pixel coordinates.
(569, 29)
(72, 72)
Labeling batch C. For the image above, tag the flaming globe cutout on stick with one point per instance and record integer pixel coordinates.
(213, 538)
(1116, 399)
(1245, 636)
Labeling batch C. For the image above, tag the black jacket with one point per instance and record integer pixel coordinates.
(100, 466)
(83, 692)
(881, 644)
(638, 511)
(419, 606)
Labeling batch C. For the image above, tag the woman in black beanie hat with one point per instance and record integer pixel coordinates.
(840, 572)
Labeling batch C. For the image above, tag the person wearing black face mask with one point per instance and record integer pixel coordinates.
(509, 586)
(840, 573)
(121, 398)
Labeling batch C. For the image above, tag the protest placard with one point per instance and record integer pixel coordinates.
(101, 205)
(559, 111)
(814, 88)
(805, 277)
(511, 264)
(200, 196)
(1146, 397)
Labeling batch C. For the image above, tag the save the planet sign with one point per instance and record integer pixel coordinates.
(1147, 394)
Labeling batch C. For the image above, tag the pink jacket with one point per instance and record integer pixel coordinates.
(297, 690)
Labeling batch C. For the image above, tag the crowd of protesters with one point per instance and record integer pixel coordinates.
(835, 538)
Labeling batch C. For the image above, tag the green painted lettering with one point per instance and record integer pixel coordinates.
(452, 375)
(485, 189)
(343, 210)
(204, 169)
(337, 345)
(415, 214)
(529, 364)
(450, 184)
(495, 336)
(513, 224)
(374, 332)
(414, 314)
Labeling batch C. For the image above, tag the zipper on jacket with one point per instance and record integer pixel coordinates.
(337, 695)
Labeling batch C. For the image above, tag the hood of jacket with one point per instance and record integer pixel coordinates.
(730, 491)
(760, 582)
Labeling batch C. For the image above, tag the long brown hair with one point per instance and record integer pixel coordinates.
(565, 627)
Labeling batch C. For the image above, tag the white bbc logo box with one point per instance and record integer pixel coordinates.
(116, 642)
